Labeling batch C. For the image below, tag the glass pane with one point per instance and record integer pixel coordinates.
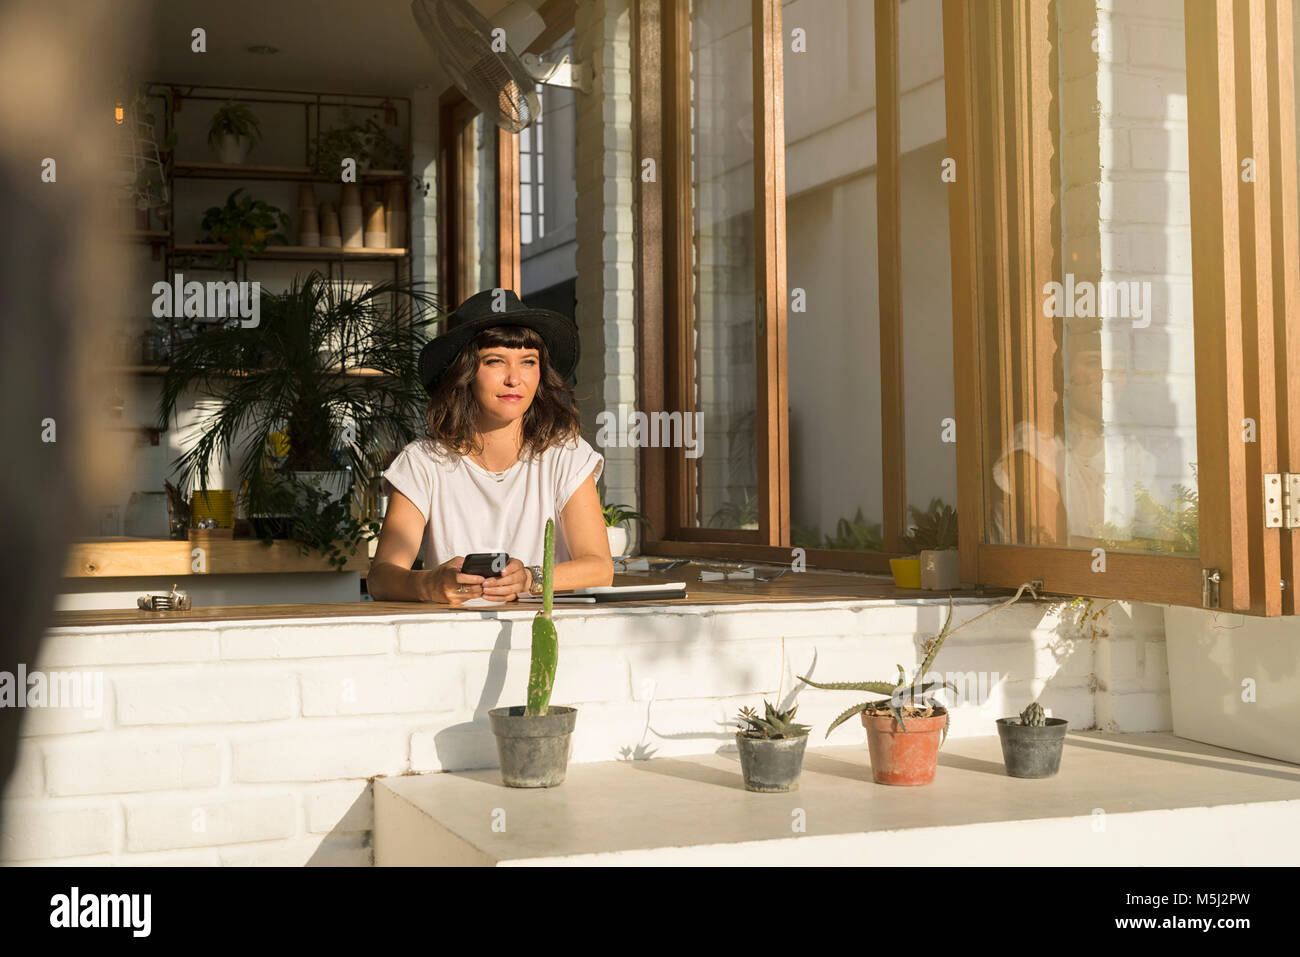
(928, 392)
(1101, 450)
(831, 273)
(725, 459)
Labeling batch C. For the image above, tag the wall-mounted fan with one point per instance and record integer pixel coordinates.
(482, 59)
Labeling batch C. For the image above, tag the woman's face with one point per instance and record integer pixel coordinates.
(506, 381)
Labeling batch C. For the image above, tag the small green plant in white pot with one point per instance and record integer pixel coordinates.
(616, 519)
(234, 131)
(934, 537)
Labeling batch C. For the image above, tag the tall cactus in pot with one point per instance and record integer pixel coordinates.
(546, 644)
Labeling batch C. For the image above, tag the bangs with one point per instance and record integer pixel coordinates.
(510, 337)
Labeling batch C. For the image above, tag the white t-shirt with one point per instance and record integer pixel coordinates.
(466, 510)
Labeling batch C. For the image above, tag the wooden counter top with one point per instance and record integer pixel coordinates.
(805, 587)
(135, 557)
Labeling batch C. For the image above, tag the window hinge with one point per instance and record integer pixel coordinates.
(1210, 579)
(1282, 500)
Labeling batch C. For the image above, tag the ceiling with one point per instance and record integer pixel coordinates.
(335, 46)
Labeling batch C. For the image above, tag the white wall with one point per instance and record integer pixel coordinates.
(254, 742)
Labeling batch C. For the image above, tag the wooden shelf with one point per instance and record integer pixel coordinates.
(151, 236)
(140, 557)
(305, 253)
(250, 171)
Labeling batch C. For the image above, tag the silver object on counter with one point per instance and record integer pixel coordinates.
(173, 601)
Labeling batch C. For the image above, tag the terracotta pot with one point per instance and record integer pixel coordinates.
(903, 757)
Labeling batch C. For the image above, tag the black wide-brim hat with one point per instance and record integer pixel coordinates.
(558, 331)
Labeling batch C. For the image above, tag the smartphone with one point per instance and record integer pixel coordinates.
(486, 564)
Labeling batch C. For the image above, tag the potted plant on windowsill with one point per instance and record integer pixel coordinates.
(233, 132)
(287, 374)
(934, 536)
(1032, 743)
(771, 749)
(906, 730)
(616, 519)
(534, 740)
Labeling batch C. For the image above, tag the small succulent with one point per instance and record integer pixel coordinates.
(1033, 716)
(774, 724)
(933, 529)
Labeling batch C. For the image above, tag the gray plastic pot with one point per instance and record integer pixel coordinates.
(771, 764)
(1030, 752)
(534, 751)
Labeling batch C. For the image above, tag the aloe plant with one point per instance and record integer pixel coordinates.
(910, 691)
(773, 724)
(897, 691)
(546, 644)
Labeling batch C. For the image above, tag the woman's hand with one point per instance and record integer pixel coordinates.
(443, 584)
(504, 586)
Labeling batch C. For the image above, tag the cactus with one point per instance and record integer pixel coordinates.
(774, 724)
(546, 644)
(1034, 716)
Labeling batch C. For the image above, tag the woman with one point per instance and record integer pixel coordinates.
(503, 454)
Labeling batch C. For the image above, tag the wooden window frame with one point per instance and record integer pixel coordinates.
(665, 301)
(1240, 103)
(1000, 221)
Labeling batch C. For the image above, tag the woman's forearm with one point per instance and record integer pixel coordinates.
(389, 582)
(583, 573)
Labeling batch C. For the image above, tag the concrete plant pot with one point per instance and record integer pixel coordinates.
(940, 569)
(1030, 752)
(233, 150)
(771, 764)
(903, 756)
(534, 751)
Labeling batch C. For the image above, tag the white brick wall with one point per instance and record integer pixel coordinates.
(258, 743)
(605, 286)
(1126, 216)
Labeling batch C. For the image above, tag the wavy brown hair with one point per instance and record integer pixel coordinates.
(452, 417)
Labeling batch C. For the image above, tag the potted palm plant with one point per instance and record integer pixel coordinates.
(771, 748)
(233, 132)
(534, 740)
(906, 730)
(290, 374)
(616, 519)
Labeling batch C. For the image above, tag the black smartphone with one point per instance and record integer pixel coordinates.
(486, 564)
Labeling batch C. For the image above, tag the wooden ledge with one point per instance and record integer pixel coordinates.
(141, 557)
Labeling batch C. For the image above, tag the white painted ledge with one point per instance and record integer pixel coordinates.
(1119, 800)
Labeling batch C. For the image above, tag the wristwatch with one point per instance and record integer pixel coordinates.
(535, 574)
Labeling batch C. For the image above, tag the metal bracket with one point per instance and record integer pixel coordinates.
(565, 73)
(1210, 579)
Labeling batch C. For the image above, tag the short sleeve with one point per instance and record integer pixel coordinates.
(411, 475)
(575, 465)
